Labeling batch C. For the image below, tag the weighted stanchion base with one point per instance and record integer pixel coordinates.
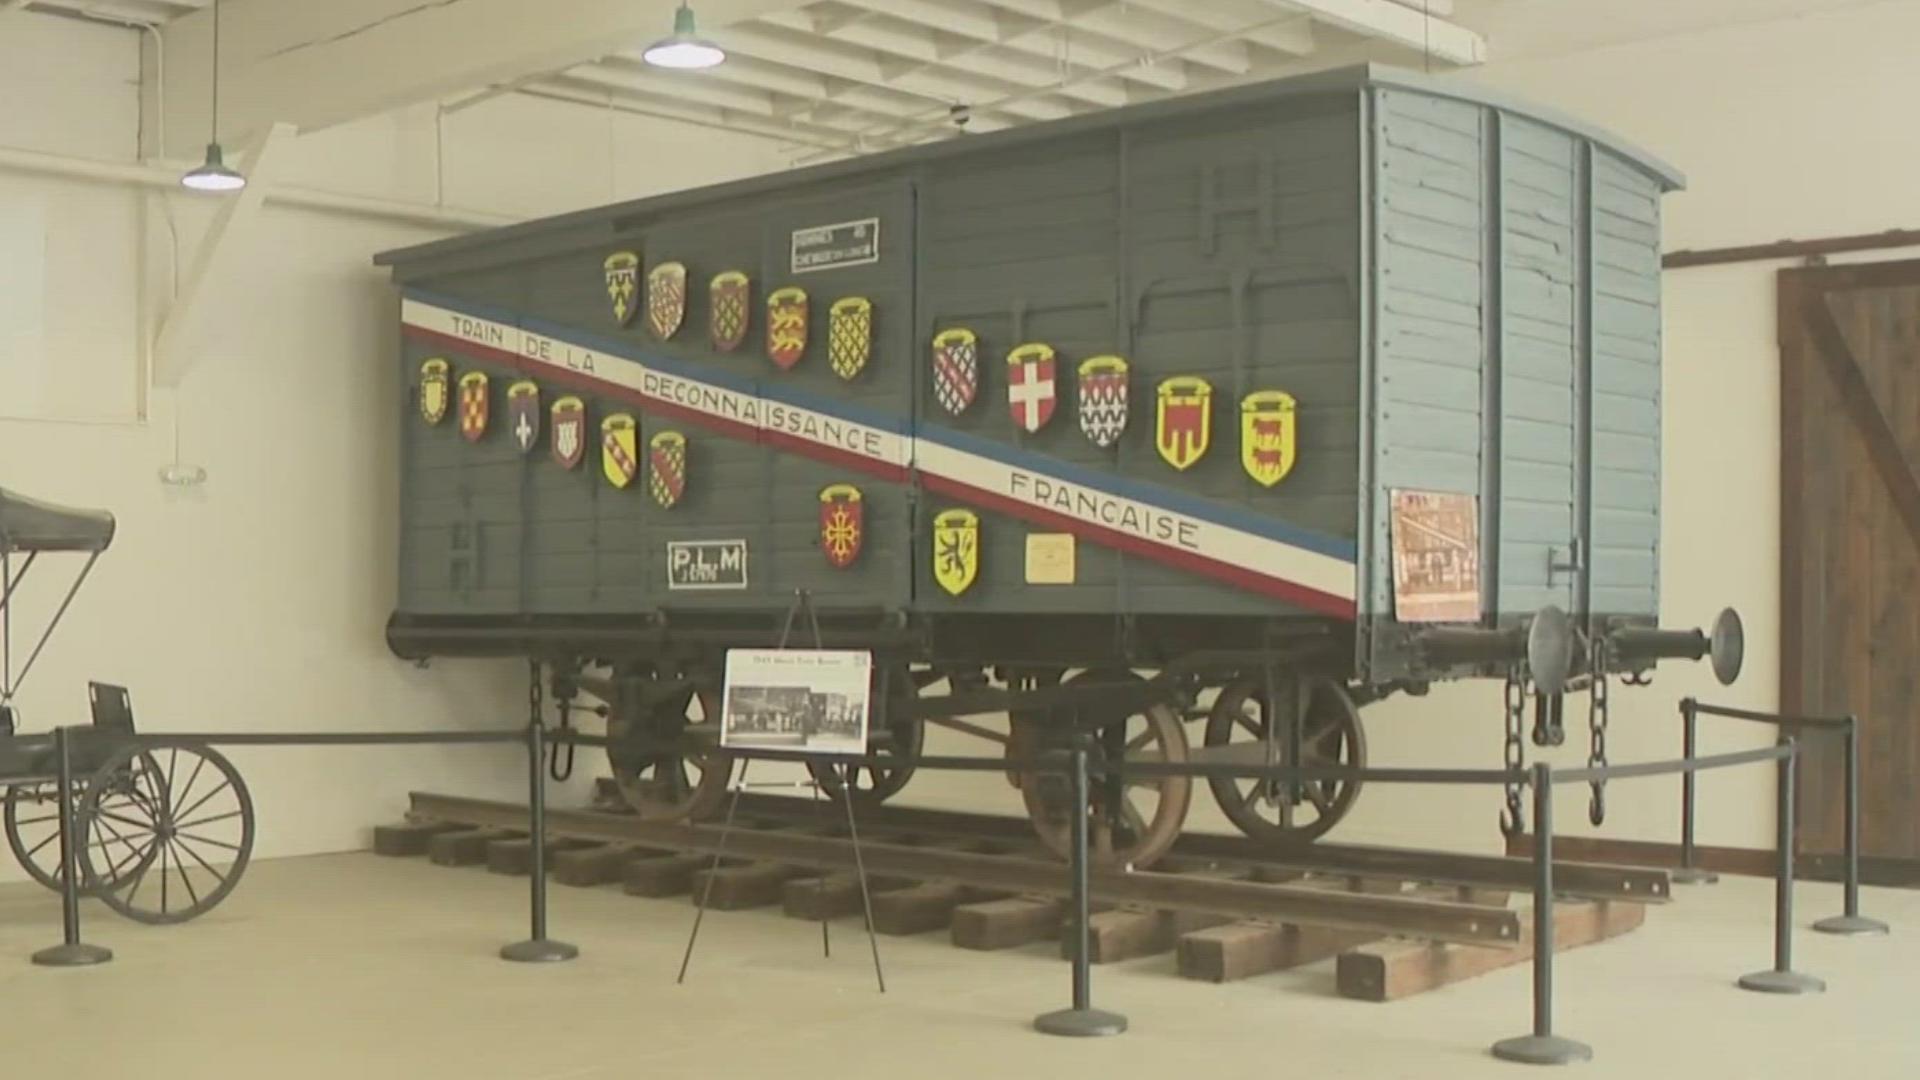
(76, 955)
(1080, 1023)
(1693, 875)
(1782, 982)
(1542, 1050)
(538, 951)
(1851, 924)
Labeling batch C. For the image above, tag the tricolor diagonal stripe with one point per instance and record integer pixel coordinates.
(1226, 544)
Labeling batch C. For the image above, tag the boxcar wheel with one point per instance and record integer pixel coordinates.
(33, 832)
(875, 784)
(171, 831)
(1132, 822)
(672, 786)
(1331, 735)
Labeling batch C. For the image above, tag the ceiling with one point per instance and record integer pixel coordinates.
(838, 77)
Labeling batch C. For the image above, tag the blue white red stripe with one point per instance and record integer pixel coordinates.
(1224, 543)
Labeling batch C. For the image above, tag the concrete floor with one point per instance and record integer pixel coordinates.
(362, 967)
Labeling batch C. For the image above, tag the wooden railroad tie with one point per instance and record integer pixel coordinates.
(515, 856)
(464, 847)
(1395, 968)
(408, 837)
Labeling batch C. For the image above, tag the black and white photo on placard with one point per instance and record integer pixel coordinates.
(797, 699)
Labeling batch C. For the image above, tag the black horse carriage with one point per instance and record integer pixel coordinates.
(162, 829)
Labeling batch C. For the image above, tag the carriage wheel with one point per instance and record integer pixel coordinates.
(1135, 821)
(875, 784)
(33, 832)
(670, 787)
(1330, 735)
(171, 828)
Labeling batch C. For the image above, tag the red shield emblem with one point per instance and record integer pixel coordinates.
(1030, 386)
(569, 431)
(841, 524)
(473, 406)
(787, 326)
(956, 369)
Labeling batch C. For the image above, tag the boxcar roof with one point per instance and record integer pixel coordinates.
(31, 525)
(1354, 78)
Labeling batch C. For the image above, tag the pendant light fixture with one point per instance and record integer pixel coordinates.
(213, 174)
(684, 48)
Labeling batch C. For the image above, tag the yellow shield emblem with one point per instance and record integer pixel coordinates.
(956, 549)
(1267, 428)
(666, 299)
(433, 390)
(619, 449)
(623, 284)
(849, 335)
(787, 326)
(727, 299)
(1183, 420)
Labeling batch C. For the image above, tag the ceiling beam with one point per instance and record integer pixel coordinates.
(1396, 22)
(1033, 35)
(315, 65)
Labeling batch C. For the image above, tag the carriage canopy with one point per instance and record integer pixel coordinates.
(28, 525)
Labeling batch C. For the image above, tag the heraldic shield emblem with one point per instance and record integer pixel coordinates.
(729, 307)
(623, 284)
(619, 449)
(523, 414)
(849, 335)
(956, 549)
(433, 390)
(956, 369)
(842, 524)
(473, 405)
(1103, 399)
(1183, 420)
(569, 431)
(1267, 427)
(667, 467)
(1030, 386)
(666, 298)
(787, 326)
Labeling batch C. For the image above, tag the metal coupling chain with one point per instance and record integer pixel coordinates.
(1514, 756)
(1597, 735)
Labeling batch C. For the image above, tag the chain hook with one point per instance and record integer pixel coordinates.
(1514, 755)
(1597, 717)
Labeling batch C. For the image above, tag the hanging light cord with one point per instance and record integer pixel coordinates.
(216, 71)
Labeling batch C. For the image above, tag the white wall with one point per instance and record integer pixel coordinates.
(257, 601)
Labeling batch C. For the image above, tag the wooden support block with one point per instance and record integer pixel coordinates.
(515, 855)
(595, 865)
(818, 898)
(409, 837)
(735, 888)
(917, 909)
(1126, 933)
(1003, 924)
(1240, 950)
(662, 875)
(464, 847)
(1398, 968)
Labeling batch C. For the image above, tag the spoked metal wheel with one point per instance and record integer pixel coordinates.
(875, 784)
(1131, 821)
(170, 831)
(669, 786)
(1330, 734)
(33, 832)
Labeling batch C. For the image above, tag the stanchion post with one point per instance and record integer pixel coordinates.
(71, 952)
(1851, 921)
(1082, 1020)
(1542, 1047)
(538, 947)
(1781, 978)
(1688, 873)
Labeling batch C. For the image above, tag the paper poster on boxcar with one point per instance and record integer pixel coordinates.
(1436, 557)
(814, 700)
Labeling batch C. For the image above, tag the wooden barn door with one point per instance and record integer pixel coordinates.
(1850, 547)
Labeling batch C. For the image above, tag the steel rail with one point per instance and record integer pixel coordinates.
(1430, 919)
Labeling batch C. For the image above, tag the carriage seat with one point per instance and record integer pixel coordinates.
(112, 709)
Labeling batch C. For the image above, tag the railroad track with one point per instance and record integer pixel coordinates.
(1399, 921)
